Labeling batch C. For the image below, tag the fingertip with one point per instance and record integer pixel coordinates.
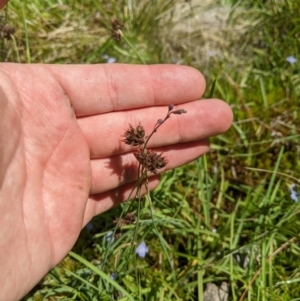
(180, 83)
(199, 80)
(195, 79)
(227, 114)
(220, 114)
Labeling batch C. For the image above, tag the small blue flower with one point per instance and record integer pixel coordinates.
(294, 194)
(109, 236)
(142, 250)
(291, 59)
(109, 60)
(113, 276)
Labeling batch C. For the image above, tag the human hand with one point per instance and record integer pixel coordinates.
(62, 159)
(2, 3)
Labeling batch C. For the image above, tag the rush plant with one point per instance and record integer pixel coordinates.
(149, 160)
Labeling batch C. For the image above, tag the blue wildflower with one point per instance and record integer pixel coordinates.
(113, 276)
(142, 250)
(109, 236)
(291, 59)
(109, 60)
(294, 194)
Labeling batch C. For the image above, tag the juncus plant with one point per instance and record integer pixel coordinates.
(149, 161)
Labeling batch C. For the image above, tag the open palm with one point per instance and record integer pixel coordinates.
(62, 158)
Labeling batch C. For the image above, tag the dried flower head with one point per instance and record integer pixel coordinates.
(179, 112)
(147, 158)
(6, 31)
(151, 160)
(134, 136)
(171, 107)
(115, 31)
(128, 219)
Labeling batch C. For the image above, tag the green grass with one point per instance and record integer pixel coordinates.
(226, 218)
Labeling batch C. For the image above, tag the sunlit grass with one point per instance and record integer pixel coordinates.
(226, 218)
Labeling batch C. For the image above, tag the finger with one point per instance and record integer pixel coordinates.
(121, 169)
(95, 89)
(2, 3)
(203, 119)
(99, 203)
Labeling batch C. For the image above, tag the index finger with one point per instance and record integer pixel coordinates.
(96, 89)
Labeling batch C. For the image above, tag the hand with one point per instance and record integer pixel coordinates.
(2, 3)
(62, 159)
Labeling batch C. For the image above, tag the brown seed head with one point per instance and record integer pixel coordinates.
(171, 107)
(6, 31)
(179, 112)
(115, 31)
(151, 160)
(134, 136)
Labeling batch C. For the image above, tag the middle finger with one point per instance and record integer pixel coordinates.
(103, 132)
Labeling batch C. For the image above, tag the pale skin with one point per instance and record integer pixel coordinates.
(61, 155)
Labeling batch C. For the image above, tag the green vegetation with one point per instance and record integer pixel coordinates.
(226, 218)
